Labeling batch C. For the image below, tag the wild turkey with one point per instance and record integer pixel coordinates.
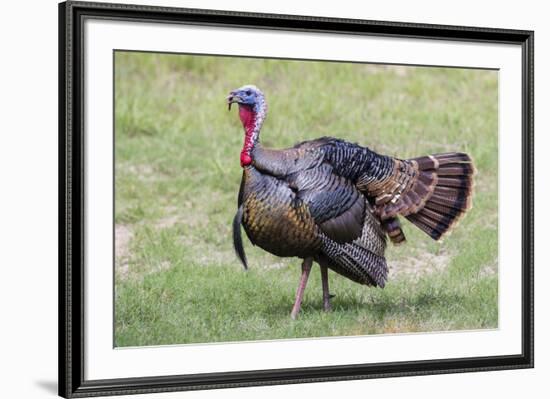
(334, 202)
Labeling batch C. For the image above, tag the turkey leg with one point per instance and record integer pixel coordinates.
(326, 294)
(306, 268)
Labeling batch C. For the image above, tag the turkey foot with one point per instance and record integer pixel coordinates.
(326, 294)
(306, 268)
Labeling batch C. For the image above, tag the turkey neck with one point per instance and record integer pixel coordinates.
(252, 119)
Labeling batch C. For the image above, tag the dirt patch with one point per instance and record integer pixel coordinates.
(143, 172)
(186, 213)
(167, 222)
(422, 264)
(123, 257)
(164, 265)
(213, 256)
(399, 70)
(280, 265)
(489, 270)
(123, 236)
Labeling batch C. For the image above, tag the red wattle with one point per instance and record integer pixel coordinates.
(245, 159)
(248, 118)
(247, 115)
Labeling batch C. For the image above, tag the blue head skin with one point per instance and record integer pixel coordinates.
(248, 95)
(252, 112)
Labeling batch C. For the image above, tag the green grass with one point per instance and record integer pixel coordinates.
(177, 175)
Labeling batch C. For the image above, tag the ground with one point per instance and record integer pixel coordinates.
(177, 174)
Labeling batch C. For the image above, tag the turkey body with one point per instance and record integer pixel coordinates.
(337, 202)
(306, 201)
(275, 219)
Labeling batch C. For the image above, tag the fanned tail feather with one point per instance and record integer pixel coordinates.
(449, 194)
(392, 227)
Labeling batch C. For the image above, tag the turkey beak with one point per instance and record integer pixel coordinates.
(232, 98)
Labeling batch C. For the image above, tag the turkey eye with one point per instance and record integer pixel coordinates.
(248, 92)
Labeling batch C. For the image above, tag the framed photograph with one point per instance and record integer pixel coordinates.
(382, 225)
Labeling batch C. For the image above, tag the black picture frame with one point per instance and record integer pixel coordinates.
(71, 200)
